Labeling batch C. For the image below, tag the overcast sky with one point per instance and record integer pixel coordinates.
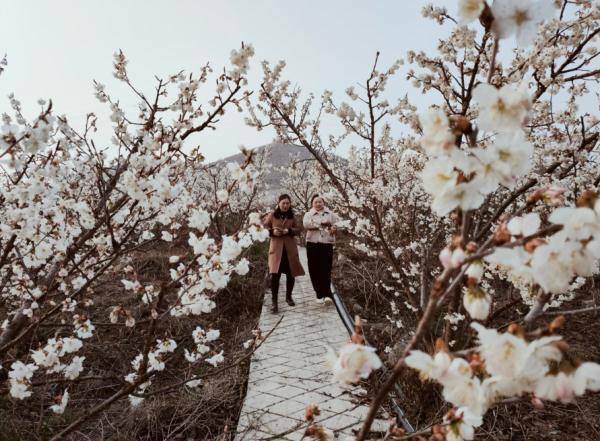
(56, 48)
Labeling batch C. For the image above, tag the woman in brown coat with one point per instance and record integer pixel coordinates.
(283, 251)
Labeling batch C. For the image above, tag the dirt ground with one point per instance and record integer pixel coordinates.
(208, 412)
(422, 402)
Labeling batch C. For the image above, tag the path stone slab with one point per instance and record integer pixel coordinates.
(288, 371)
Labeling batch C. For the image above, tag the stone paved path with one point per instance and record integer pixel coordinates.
(288, 372)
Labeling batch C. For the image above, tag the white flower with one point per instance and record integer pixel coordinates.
(505, 160)
(216, 359)
(20, 370)
(429, 367)
(73, 370)
(463, 429)
(84, 329)
(129, 285)
(552, 265)
(242, 267)
(191, 357)
(452, 259)
(587, 376)
(438, 176)
(200, 246)
(135, 401)
(212, 335)
(559, 387)
(470, 10)
(524, 225)
(517, 260)
(147, 235)
(46, 357)
(475, 271)
(230, 249)
(69, 345)
(235, 171)
(155, 362)
(466, 390)
(565, 386)
(60, 408)
(194, 383)
(503, 109)
(437, 137)
(520, 18)
(501, 351)
(578, 223)
(168, 345)
(477, 303)
(466, 196)
(353, 362)
(222, 196)
(202, 348)
(166, 236)
(199, 219)
(19, 389)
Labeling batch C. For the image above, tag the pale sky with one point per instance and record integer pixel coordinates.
(56, 48)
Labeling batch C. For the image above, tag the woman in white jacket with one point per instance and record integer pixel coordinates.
(320, 224)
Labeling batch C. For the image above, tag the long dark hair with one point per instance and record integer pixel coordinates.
(283, 214)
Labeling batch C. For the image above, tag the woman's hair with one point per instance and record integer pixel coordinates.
(315, 196)
(283, 215)
(284, 196)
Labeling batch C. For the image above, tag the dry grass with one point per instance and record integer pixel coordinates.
(356, 280)
(208, 412)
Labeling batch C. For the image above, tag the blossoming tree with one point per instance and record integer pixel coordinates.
(73, 215)
(499, 180)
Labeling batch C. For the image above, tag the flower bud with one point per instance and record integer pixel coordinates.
(501, 235)
(557, 323)
(537, 403)
(477, 303)
(587, 199)
(532, 244)
(311, 411)
(516, 329)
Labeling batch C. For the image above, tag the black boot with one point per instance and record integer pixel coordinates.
(289, 287)
(274, 293)
(289, 300)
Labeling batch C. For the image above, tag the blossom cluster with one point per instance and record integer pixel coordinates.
(504, 365)
(75, 215)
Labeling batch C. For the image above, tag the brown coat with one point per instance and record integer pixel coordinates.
(277, 243)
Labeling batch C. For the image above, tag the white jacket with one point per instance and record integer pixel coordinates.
(312, 223)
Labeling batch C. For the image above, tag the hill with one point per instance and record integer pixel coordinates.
(275, 156)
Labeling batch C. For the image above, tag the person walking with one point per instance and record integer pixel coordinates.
(320, 224)
(283, 251)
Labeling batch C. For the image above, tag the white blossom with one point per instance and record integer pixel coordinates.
(515, 17)
(470, 10)
(353, 362)
(60, 407)
(503, 109)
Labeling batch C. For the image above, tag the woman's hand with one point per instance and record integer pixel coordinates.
(277, 232)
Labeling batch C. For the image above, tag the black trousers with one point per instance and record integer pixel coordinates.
(284, 268)
(320, 260)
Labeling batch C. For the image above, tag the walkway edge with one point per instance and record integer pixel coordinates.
(349, 324)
